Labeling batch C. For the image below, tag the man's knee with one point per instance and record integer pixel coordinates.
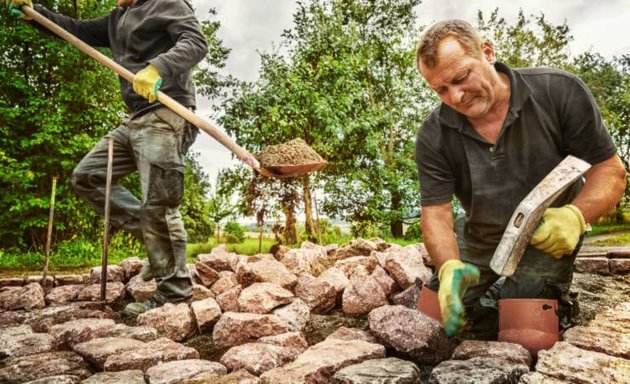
(161, 221)
(80, 181)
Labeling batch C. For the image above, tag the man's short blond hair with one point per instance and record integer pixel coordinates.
(460, 30)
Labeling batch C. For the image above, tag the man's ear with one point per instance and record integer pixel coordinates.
(488, 52)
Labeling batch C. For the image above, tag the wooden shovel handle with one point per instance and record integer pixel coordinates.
(176, 107)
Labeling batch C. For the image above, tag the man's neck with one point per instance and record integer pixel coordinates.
(489, 126)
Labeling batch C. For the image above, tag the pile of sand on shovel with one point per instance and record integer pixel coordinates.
(294, 152)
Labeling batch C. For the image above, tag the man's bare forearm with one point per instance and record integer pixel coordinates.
(438, 234)
(604, 186)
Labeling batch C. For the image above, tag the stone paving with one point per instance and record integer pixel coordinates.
(257, 312)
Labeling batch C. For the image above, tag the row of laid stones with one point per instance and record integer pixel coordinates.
(593, 353)
(603, 261)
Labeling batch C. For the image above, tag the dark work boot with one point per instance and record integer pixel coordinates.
(135, 309)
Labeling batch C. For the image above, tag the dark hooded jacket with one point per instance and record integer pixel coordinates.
(164, 33)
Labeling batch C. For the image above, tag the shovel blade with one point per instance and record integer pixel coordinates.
(286, 171)
(528, 213)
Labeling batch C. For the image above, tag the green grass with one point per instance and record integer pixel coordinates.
(73, 254)
(14, 260)
(622, 238)
(80, 254)
(617, 234)
(402, 242)
(599, 229)
(247, 247)
(33, 262)
(250, 245)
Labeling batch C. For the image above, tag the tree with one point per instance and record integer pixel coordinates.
(539, 43)
(344, 87)
(55, 104)
(209, 81)
(609, 81)
(378, 179)
(195, 205)
(344, 80)
(266, 198)
(220, 206)
(527, 43)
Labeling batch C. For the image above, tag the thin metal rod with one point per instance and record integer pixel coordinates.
(319, 227)
(51, 215)
(108, 190)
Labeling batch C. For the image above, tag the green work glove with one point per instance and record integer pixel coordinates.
(147, 83)
(455, 278)
(14, 8)
(559, 231)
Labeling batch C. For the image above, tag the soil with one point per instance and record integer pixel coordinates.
(204, 344)
(294, 152)
(319, 327)
(597, 293)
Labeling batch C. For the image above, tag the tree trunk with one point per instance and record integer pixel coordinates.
(288, 204)
(396, 224)
(308, 210)
(290, 233)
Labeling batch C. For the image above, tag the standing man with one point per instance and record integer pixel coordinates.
(496, 134)
(160, 41)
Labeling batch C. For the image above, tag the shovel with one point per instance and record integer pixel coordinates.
(282, 171)
(527, 214)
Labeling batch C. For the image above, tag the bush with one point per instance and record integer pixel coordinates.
(77, 252)
(124, 243)
(15, 259)
(364, 229)
(234, 232)
(413, 232)
(232, 239)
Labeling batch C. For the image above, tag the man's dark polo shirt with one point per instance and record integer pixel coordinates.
(552, 114)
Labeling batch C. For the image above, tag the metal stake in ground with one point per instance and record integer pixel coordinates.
(108, 189)
(51, 215)
(319, 227)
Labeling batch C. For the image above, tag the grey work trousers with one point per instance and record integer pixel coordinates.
(538, 275)
(154, 144)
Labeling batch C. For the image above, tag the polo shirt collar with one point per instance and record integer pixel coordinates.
(519, 93)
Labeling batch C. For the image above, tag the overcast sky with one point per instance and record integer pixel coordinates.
(252, 26)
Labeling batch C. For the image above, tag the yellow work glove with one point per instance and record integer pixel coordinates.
(559, 231)
(147, 83)
(14, 8)
(455, 278)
